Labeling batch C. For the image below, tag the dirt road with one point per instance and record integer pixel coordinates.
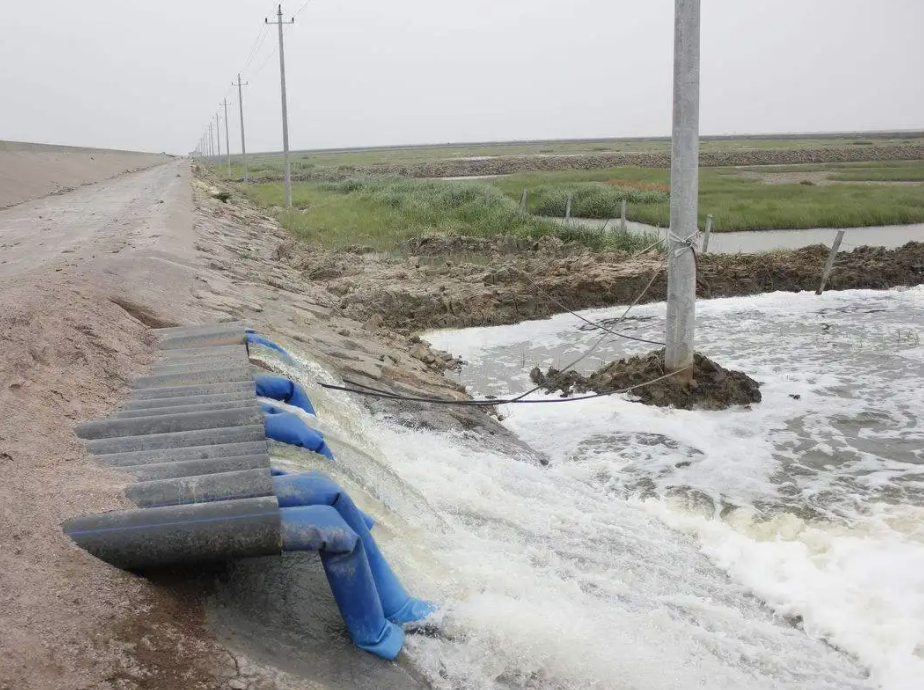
(139, 210)
(82, 276)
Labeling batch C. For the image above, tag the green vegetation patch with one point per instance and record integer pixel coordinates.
(384, 212)
(737, 202)
(589, 199)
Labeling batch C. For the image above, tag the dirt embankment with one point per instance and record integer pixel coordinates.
(29, 171)
(506, 165)
(466, 282)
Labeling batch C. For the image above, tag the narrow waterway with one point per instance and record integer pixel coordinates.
(751, 242)
(779, 547)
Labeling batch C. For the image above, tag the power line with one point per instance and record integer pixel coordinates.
(376, 393)
(302, 8)
(602, 338)
(265, 62)
(257, 44)
(360, 389)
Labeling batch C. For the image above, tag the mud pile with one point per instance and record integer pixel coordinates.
(712, 387)
(421, 292)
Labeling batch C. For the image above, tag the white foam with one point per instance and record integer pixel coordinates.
(810, 469)
(858, 586)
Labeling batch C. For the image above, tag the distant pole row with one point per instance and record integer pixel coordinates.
(210, 143)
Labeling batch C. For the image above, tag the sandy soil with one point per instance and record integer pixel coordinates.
(30, 171)
(111, 259)
(71, 341)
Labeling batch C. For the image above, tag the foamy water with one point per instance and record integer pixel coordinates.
(812, 500)
(778, 547)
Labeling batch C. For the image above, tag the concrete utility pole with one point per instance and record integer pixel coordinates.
(227, 136)
(287, 175)
(211, 141)
(681, 257)
(218, 134)
(240, 106)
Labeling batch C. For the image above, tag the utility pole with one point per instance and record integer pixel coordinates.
(240, 107)
(211, 141)
(287, 175)
(681, 257)
(218, 135)
(227, 136)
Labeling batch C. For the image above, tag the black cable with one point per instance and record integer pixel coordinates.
(596, 324)
(373, 392)
(599, 342)
(361, 389)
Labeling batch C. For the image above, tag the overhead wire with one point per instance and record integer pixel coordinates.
(302, 8)
(361, 389)
(257, 44)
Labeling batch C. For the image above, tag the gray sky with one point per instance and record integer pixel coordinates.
(147, 75)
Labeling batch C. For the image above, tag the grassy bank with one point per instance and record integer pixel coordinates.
(382, 213)
(736, 202)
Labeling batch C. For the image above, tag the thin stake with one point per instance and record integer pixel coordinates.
(829, 264)
(707, 234)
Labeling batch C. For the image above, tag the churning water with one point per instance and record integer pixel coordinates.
(777, 547)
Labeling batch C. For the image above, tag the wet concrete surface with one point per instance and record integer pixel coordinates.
(280, 611)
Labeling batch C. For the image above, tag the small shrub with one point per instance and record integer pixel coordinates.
(807, 183)
(590, 199)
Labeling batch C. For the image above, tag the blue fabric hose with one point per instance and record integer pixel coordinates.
(320, 528)
(288, 427)
(285, 390)
(314, 488)
(257, 339)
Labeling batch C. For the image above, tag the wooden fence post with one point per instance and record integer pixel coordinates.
(707, 234)
(829, 264)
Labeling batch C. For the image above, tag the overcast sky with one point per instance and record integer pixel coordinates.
(147, 75)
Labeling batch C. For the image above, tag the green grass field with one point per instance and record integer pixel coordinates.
(384, 212)
(737, 202)
(872, 171)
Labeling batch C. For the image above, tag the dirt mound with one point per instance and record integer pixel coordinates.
(712, 387)
(434, 245)
(414, 295)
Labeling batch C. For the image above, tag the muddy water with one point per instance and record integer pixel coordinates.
(889, 236)
(813, 501)
(777, 548)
